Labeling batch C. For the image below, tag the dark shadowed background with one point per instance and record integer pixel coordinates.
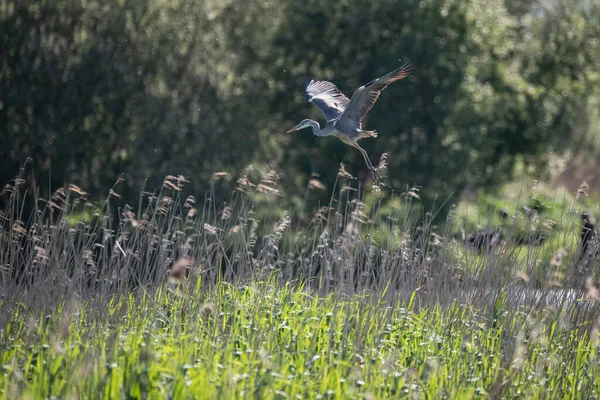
(92, 89)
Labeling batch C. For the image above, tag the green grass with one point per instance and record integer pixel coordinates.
(347, 303)
(533, 209)
(266, 341)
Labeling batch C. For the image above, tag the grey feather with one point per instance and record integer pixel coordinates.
(327, 97)
(365, 97)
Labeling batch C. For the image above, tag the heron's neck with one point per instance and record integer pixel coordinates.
(315, 126)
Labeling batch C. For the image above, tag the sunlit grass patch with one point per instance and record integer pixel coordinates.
(260, 340)
(371, 296)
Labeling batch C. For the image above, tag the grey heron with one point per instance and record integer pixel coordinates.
(345, 116)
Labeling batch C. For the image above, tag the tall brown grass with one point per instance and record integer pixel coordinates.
(69, 246)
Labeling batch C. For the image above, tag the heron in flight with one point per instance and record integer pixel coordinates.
(345, 116)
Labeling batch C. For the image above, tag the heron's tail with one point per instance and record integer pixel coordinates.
(365, 134)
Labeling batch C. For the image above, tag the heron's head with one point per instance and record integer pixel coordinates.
(304, 124)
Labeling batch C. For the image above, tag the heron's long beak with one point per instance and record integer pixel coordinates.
(296, 128)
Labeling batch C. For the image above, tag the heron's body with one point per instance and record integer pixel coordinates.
(345, 116)
(331, 129)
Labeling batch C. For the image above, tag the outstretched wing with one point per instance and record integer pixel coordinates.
(327, 97)
(365, 97)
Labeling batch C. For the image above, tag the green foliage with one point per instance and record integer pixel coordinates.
(90, 89)
(272, 342)
(537, 222)
(192, 300)
(473, 105)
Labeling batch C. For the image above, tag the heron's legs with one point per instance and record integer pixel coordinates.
(372, 169)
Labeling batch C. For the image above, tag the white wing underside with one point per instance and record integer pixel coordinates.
(328, 98)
